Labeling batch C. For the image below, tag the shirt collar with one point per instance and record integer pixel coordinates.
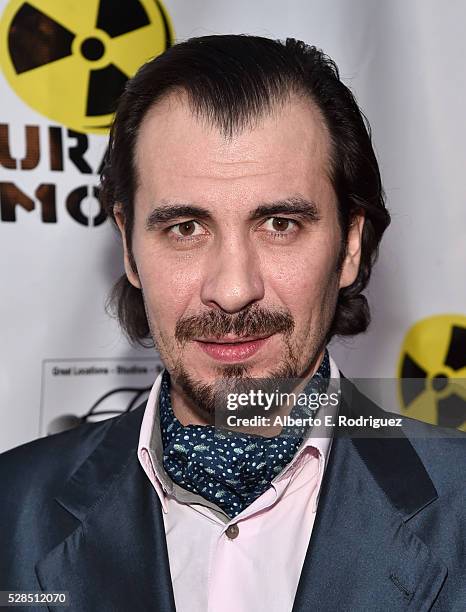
(150, 449)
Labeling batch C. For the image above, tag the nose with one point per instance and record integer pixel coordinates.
(233, 279)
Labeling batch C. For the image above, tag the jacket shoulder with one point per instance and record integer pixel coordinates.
(441, 450)
(34, 475)
(45, 464)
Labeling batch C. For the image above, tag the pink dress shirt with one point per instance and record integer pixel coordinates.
(252, 562)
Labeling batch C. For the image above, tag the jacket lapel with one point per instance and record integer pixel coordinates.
(362, 554)
(116, 558)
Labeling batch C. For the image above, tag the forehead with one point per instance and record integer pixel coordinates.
(181, 155)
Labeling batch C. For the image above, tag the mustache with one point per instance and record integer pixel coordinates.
(254, 321)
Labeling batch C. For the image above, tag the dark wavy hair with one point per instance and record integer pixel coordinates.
(232, 80)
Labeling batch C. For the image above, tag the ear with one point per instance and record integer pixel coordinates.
(130, 272)
(350, 266)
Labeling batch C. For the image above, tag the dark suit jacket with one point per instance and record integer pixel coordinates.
(78, 514)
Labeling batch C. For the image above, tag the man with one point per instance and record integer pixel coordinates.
(242, 178)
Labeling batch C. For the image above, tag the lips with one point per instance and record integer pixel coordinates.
(232, 350)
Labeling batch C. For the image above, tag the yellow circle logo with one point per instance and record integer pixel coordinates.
(69, 60)
(432, 371)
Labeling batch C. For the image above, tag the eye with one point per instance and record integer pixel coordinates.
(187, 229)
(280, 225)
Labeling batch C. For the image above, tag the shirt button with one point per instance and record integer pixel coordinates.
(232, 531)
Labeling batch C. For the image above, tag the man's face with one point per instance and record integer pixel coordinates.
(237, 243)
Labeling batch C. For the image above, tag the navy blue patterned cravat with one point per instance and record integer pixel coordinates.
(229, 469)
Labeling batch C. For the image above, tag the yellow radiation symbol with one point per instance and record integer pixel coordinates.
(432, 371)
(70, 59)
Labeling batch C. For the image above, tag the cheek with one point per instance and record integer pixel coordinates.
(169, 287)
(305, 281)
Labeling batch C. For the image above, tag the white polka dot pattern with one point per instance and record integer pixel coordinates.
(229, 469)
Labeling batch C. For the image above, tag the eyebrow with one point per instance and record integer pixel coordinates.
(296, 206)
(167, 212)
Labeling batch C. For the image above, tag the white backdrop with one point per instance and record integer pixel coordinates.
(60, 352)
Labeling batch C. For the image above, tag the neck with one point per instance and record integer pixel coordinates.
(184, 409)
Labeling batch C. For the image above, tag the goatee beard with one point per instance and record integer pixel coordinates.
(209, 400)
